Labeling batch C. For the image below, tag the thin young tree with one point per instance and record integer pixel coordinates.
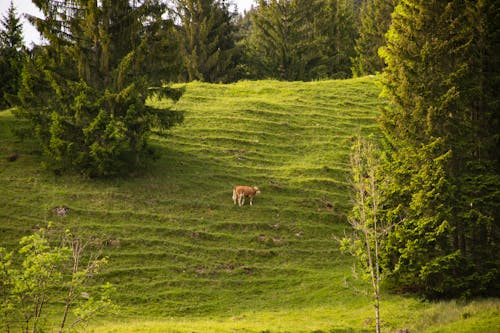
(7, 300)
(40, 274)
(86, 261)
(368, 230)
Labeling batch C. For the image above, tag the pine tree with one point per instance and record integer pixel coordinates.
(375, 18)
(85, 93)
(443, 124)
(272, 40)
(302, 40)
(207, 36)
(338, 31)
(12, 55)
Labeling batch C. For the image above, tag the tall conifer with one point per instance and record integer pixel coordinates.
(207, 35)
(375, 16)
(12, 54)
(272, 39)
(444, 125)
(338, 31)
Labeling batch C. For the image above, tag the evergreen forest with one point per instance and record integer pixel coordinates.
(371, 127)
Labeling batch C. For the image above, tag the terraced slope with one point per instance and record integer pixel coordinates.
(291, 140)
(181, 244)
(177, 244)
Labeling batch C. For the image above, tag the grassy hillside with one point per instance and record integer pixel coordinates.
(184, 258)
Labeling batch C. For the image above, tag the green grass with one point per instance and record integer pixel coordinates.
(187, 260)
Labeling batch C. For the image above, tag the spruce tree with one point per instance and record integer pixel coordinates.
(273, 40)
(302, 40)
(85, 93)
(375, 16)
(444, 125)
(12, 55)
(338, 31)
(207, 36)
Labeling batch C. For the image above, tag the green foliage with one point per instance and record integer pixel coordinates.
(443, 127)
(96, 304)
(12, 55)
(207, 38)
(419, 205)
(40, 273)
(427, 76)
(375, 21)
(43, 266)
(85, 93)
(338, 30)
(301, 40)
(7, 283)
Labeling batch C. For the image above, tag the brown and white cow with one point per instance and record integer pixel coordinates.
(240, 192)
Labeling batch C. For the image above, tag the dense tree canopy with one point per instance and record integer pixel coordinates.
(301, 40)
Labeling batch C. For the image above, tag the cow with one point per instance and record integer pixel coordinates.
(240, 192)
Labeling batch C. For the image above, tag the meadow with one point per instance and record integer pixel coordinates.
(183, 258)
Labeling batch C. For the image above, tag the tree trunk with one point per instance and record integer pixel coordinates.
(66, 308)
